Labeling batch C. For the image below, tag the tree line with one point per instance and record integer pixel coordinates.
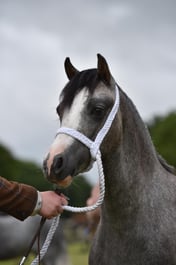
(163, 133)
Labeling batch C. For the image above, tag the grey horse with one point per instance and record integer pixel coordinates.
(15, 237)
(138, 215)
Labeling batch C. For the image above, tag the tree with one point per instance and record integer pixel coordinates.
(163, 133)
(21, 170)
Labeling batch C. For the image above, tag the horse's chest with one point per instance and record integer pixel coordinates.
(110, 249)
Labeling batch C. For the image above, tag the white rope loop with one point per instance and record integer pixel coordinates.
(96, 155)
(101, 195)
(56, 219)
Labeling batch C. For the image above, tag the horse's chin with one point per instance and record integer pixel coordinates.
(65, 182)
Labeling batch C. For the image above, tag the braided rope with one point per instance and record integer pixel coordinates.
(96, 155)
(56, 219)
(48, 240)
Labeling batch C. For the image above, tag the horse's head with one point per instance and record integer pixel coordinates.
(85, 103)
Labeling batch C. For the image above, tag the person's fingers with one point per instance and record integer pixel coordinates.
(52, 204)
(64, 201)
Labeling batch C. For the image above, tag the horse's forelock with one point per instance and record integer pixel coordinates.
(88, 78)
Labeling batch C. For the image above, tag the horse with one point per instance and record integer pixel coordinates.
(138, 215)
(15, 238)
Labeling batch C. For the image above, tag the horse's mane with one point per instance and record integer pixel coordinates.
(165, 165)
(169, 168)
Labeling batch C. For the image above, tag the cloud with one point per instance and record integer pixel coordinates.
(29, 73)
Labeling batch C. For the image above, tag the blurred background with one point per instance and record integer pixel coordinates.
(138, 40)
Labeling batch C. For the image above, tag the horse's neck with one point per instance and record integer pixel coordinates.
(137, 152)
(131, 165)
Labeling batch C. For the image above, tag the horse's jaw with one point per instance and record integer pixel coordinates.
(66, 182)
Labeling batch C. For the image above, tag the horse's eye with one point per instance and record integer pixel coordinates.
(97, 108)
(98, 112)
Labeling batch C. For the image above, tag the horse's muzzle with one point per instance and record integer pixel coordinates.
(59, 169)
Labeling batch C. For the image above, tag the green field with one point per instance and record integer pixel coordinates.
(16, 261)
(78, 254)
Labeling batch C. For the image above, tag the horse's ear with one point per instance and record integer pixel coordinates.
(70, 70)
(103, 69)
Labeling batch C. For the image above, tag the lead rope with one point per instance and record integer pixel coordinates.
(56, 219)
(96, 155)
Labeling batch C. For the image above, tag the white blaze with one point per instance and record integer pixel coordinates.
(71, 119)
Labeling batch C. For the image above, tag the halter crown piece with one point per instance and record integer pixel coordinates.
(94, 147)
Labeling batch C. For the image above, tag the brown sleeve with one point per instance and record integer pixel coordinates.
(17, 199)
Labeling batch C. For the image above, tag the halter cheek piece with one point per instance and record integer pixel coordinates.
(94, 147)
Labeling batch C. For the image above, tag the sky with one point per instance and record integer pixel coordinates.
(137, 38)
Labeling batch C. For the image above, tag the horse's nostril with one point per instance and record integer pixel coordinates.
(57, 164)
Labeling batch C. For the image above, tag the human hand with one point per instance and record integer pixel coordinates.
(52, 204)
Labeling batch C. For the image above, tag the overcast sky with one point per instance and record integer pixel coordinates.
(137, 37)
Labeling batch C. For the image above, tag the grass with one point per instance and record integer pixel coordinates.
(17, 261)
(78, 254)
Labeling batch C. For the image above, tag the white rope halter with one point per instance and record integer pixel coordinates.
(94, 147)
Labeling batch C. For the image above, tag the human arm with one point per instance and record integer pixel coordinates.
(17, 199)
(21, 200)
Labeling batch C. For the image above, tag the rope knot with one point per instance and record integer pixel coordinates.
(94, 148)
